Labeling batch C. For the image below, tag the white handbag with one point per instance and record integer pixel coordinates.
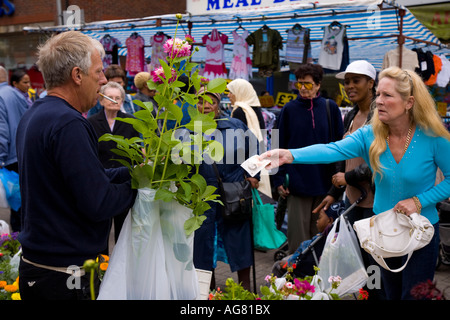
(391, 234)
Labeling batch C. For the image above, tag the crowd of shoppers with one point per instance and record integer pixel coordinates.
(390, 139)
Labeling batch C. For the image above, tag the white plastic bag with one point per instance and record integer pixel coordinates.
(153, 258)
(4, 227)
(341, 257)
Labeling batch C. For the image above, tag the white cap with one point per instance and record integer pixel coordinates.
(359, 67)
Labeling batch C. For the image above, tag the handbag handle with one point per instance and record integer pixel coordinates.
(256, 196)
(416, 236)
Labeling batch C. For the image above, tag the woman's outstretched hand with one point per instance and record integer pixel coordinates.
(277, 158)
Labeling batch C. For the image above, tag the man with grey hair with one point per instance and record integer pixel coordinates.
(12, 107)
(68, 198)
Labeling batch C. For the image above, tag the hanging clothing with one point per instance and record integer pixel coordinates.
(157, 41)
(111, 46)
(241, 64)
(409, 59)
(135, 54)
(443, 77)
(267, 44)
(332, 47)
(426, 64)
(214, 63)
(298, 47)
(437, 68)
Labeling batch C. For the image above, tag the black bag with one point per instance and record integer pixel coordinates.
(236, 198)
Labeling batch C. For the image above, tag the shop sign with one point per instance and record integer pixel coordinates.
(284, 97)
(196, 7)
(6, 8)
(435, 17)
(218, 6)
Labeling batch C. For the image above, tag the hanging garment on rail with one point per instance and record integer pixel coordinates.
(409, 59)
(111, 46)
(157, 41)
(298, 47)
(267, 44)
(241, 65)
(332, 47)
(135, 54)
(214, 63)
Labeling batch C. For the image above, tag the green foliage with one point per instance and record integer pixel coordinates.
(159, 160)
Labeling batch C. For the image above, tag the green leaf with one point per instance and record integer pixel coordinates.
(200, 182)
(217, 85)
(201, 122)
(164, 195)
(141, 176)
(193, 223)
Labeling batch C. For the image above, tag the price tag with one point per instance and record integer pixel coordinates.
(266, 101)
(284, 97)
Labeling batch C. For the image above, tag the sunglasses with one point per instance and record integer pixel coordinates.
(307, 85)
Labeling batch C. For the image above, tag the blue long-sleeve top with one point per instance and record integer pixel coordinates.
(12, 108)
(414, 175)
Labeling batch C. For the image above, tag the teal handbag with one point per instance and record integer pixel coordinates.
(265, 234)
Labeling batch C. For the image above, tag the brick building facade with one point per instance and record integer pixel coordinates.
(18, 49)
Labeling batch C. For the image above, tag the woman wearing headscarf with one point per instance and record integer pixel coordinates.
(247, 108)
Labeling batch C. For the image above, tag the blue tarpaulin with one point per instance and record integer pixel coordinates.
(371, 31)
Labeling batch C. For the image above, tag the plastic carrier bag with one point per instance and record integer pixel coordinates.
(265, 234)
(153, 258)
(9, 189)
(341, 256)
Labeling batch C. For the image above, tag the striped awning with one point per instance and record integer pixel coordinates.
(371, 31)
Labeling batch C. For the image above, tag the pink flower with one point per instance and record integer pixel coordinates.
(303, 287)
(189, 38)
(158, 75)
(176, 48)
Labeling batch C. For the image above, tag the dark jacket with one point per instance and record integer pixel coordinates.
(68, 198)
(101, 126)
(234, 236)
(360, 173)
(304, 122)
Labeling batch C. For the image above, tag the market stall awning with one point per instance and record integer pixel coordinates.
(371, 30)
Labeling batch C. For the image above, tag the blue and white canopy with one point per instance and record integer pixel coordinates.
(372, 31)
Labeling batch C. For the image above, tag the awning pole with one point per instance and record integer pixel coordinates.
(401, 38)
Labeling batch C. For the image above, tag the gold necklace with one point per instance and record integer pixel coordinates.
(408, 138)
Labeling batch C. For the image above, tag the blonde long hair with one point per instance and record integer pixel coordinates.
(423, 113)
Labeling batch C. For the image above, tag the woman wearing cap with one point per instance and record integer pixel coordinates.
(404, 145)
(359, 82)
(217, 239)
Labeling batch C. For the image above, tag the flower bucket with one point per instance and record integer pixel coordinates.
(153, 258)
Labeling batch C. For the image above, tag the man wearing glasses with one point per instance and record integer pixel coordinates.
(307, 120)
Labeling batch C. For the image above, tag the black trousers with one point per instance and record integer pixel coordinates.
(42, 284)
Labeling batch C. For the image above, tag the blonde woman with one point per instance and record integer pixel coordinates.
(404, 145)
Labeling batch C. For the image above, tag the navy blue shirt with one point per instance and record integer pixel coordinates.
(304, 122)
(68, 198)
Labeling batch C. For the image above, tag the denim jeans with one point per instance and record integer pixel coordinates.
(420, 268)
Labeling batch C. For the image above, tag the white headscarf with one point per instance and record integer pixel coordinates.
(246, 98)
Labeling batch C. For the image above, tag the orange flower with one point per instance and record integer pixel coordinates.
(103, 266)
(11, 288)
(3, 284)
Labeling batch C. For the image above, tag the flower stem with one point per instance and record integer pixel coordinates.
(92, 284)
